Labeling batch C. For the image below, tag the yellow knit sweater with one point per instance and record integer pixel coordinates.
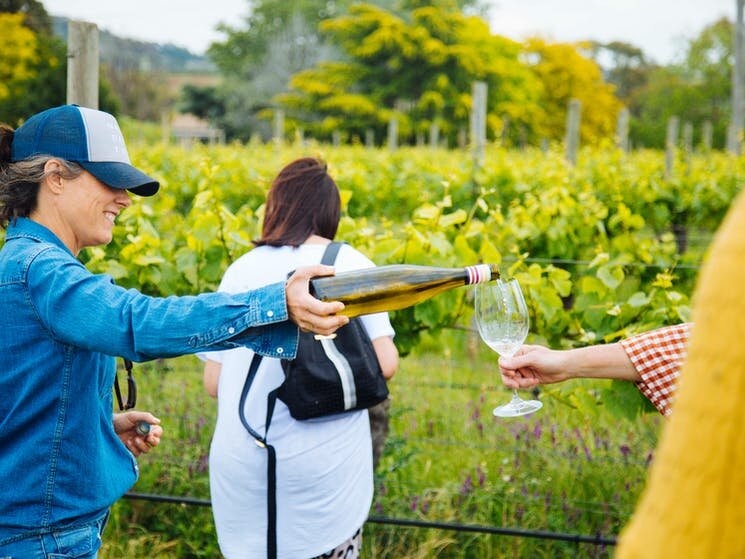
(694, 503)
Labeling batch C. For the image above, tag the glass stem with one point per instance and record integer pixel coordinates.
(515, 397)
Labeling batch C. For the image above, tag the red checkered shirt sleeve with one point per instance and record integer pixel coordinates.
(657, 356)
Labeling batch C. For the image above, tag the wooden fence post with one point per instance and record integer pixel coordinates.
(393, 134)
(671, 142)
(478, 121)
(279, 127)
(300, 136)
(82, 64)
(707, 131)
(434, 135)
(738, 75)
(688, 141)
(571, 141)
(622, 130)
(165, 127)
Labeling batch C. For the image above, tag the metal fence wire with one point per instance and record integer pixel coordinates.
(456, 527)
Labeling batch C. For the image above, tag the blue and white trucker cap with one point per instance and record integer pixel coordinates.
(84, 136)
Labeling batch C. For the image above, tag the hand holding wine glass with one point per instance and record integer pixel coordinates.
(503, 323)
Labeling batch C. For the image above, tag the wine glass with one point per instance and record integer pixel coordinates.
(502, 318)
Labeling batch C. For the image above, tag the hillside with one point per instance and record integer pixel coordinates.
(122, 53)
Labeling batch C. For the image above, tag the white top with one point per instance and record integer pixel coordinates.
(324, 465)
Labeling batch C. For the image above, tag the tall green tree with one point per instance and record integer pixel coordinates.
(696, 89)
(624, 66)
(420, 67)
(277, 40)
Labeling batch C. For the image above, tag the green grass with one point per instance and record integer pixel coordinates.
(447, 459)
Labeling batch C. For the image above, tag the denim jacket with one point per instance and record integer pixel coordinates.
(61, 327)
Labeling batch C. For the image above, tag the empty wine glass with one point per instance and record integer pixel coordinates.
(502, 318)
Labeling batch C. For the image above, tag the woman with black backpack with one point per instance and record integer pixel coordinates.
(324, 472)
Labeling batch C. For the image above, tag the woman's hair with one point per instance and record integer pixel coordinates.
(303, 201)
(19, 181)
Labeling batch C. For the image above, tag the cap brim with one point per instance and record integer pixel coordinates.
(121, 175)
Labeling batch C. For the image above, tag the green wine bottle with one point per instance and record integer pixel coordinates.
(389, 288)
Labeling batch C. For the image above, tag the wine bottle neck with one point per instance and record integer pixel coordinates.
(479, 273)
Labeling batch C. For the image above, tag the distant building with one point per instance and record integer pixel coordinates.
(187, 128)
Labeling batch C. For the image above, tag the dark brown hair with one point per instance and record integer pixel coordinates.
(303, 201)
(19, 181)
(6, 141)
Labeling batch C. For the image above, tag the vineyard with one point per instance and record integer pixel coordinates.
(603, 249)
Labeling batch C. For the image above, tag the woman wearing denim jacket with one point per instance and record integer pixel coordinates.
(65, 457)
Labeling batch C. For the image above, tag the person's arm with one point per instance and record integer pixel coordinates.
(652, 360)
(211, 379)
(533, 365)
(387, 354)
(91, 312)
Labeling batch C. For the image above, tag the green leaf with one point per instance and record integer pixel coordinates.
(590, 284)
(464, 251)
(147, 260)
(115, 269)
(426, 213)
(611, 276)
(489, 253)
(186, 261)
(560, 280)
(547, 300)
(455, 218)
(429, 313)
(586, 400)
(623, 399)
(639, 299)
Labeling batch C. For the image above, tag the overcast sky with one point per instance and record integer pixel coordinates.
(659, 27)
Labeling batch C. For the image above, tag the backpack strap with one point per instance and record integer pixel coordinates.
(271, 468)
(329, 255)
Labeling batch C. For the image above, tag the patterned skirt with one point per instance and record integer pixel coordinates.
(350, 549)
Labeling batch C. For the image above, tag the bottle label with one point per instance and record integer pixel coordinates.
(478, 274)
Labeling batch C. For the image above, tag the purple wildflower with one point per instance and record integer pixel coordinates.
(537, 431)
(481, 476)
(588, 454)
(467, 486)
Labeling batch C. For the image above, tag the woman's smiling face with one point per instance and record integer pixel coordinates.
(89, 208)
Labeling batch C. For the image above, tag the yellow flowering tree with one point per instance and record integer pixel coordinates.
(18, 54)
(565, 74)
